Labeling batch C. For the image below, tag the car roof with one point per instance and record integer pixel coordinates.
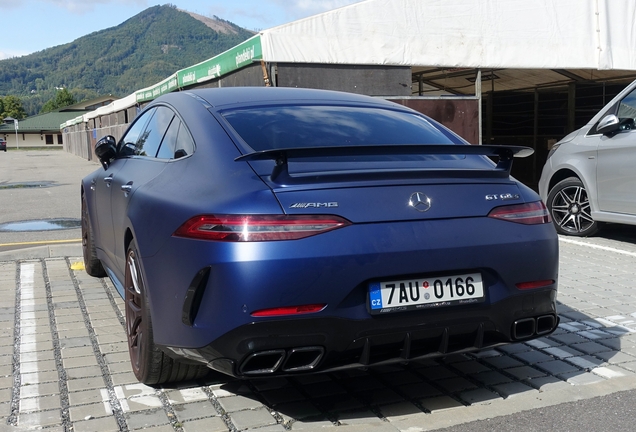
(232, 96)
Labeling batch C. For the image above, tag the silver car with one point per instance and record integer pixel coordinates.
(590, 175)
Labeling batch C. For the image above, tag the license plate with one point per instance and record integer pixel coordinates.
(412, 294)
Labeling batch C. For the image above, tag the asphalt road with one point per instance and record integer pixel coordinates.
(40, 185)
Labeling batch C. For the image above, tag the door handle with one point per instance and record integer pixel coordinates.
(108, 180)
(127, 188)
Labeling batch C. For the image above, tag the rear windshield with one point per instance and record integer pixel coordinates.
(275, 127)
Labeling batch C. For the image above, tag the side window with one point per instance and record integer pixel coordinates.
(185, 144)
(627, 106)
(166, 151)
(177, 142)
(128, 144)
(149, 141)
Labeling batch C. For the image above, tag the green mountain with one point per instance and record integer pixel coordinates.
(135, 54)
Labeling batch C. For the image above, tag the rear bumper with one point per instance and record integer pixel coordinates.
(304, 345)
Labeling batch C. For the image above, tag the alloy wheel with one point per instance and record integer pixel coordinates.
(570, 209)
(134, 321)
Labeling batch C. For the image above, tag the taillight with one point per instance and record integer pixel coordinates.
(252, 228)
(530, 214)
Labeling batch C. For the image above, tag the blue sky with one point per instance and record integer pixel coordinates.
(34, 25)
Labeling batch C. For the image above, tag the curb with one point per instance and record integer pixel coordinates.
(38, 252)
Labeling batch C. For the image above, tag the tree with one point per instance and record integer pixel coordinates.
(12, 107)
(62, 98)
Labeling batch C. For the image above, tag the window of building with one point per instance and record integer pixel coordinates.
(49, 139)
(59, 139)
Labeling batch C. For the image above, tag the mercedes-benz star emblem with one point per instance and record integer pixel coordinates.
(420, 202)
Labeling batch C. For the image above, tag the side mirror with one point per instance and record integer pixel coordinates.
(106, 150)
(609, 125)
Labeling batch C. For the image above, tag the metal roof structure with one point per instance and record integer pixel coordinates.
(49, 122)
(514, 44)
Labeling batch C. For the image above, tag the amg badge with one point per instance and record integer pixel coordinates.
(314, 205)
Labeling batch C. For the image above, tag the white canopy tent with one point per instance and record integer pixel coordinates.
(400, 48)
(565, 39)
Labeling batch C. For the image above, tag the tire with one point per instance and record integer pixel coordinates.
(569, 206)
(150, 365)
(92, 264)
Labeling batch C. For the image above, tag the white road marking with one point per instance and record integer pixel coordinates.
(141, 394)
(106, 401)
(593, 246)
(28, 333)
(193, 394)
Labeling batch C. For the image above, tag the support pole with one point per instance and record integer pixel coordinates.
(15, 126)
(478, 94)
(535, 137)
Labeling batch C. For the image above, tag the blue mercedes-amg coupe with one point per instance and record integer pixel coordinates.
(277, 231)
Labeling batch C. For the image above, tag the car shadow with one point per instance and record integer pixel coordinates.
(618, 232)
(594, 342)
(581, 351)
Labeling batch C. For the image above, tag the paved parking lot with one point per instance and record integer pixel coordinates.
(65, 362)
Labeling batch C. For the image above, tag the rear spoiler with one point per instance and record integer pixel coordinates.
(282, 156)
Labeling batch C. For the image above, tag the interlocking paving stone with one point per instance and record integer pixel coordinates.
(418, 390)
(503, 362)
(568, 338)
(595, 342)
(440, 403)
(194, 410)
(557, 367)
(590, 347)
(491, 378)
(94, 410)
(86, 383)
(456, 384)
(214, 424)
(479, 396)
(359, 417)
(563, 352)
(525, 372)
(471, 367)
(298, 410)
(39, 419)
(106, 424)
(238, 403)
(514, 348)
(532, 357)
(548, 383)
(581, 378)
(340, 402)
(437, 373)
(252, 418)
(148, 418)
(39, 403)
(511, 389)
(380, 397)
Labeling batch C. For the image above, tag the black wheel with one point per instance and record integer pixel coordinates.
(569, 206)
(92, 264)
(150, 365)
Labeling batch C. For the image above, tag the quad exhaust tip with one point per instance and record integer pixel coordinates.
(288, 361)
(528, 327)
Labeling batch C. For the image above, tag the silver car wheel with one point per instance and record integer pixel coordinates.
(570, 208)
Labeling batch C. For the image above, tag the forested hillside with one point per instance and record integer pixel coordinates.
(139, 52)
